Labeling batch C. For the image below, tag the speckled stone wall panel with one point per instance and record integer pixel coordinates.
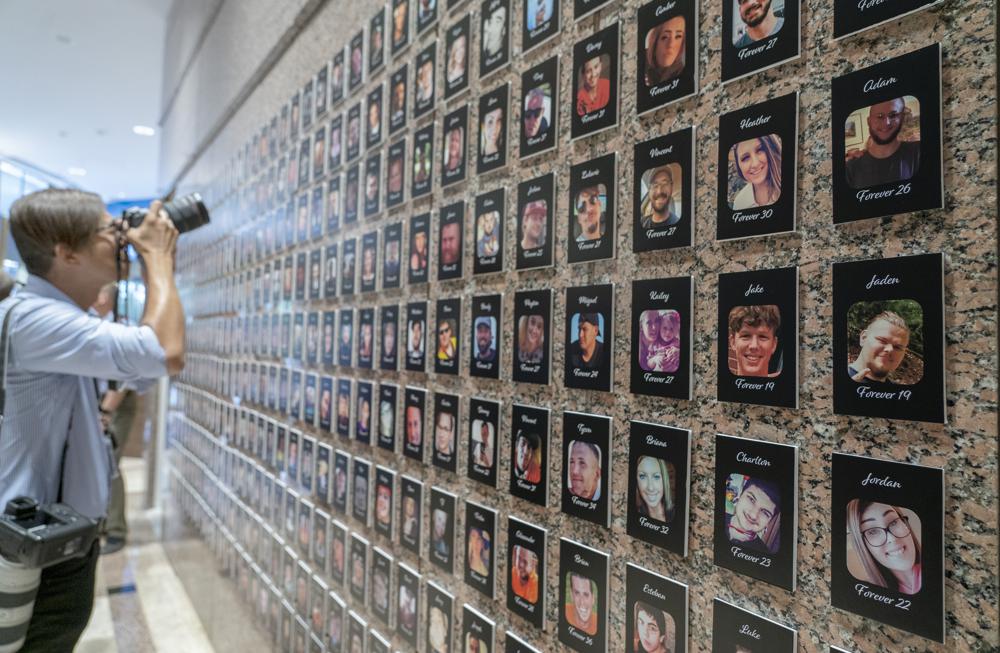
(965, 231)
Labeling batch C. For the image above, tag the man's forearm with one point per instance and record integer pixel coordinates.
(163, 312)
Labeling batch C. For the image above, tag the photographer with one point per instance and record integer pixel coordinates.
(52, 445)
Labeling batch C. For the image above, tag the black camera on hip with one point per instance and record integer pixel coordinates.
(187, 213)
(39, 536)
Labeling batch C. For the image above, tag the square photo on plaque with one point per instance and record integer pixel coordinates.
(484, 431)
(348, 266)
(445, 452)
(398, 87)
(756, 508)
(539, 22)
(758, 150)
(667, 53)
(353, 142)
(337, 77)
(758, 35)
(592, 209)
(485, 337)
(589, 337)
(373, 123)
(492, 150)
(758, 337)
(659, 464)
(532, 336)
(539, 107)
(392, 254)
(457, 41)
(490, 211)
(411, 492)
(851, 18)
(478, 631)
(888, 536)
(888, 338)
(400, 37)
(369, 261)
(358, 568)
(376, 40)
(447, 330)
(395, 184)
(387, 395)
(736, 629)
(536, 205)
(663, 197)
(494, 44)
(595, 82)
(427, 13)
(526, 560)
(373, 184)
(887, 125)
(416, 337)
(440, 611)
(413, 423)
(388, 338)
(586, 457)
(408, 603)
(419, 250)
(344, 408)
(529, 454)
(385, 495)
(424, 74)
(661, 337)
(361, 473)
(480, 548)
(656, 611)
(422, 179)
(453, 146)
(583, 597)
(341, 486)
(346, 342)
(451, 220)
(363, 414)
(442, 544)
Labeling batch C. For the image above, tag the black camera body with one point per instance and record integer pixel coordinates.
(39, 536)
(187, 213)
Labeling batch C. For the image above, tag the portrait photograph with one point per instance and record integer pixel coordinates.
(478, 631)
(539, 112)
(424, 80)
(373, 119)
(442, 540)
(532, 336)
(529, 453)
(345, 343)
(294, 118)
(411, 492)
(535, 229)
(667, 57)
(385, 496)
(490, 211)
(758, 34)
(526, 560)
(341, 486)
(736, 629)
(319, 155)
(388, 347)
(307, 105)
(354, 132)
(757, 176)
(387, 393)
(492, 150)
(586, 457)
(419, 249)
(336, 608)
(494, 42)
(416, 336)
(756, 508)
(663, 197)
(357, 568)
(656, 612)
(395, 174)
(301, 236)
(659, 462)
(480, 548)
(366, 338)
(361, 473)
(589, 337)
(444, 453)
(539, 22)
(888, 338)
(484, 431)
(337, 77)
(408, 603)
(307, 463)
(439, 619)
(887, 562)
(758, 337)
(344, 396)
(887, 138)
(454, 146)
(592, 209)
(422, 177)
(321, 524)
(447, 334)
(426, 13)
(373, 184)
(456, 67)
(583, 597)
(661, 337)
(304, 159)
(485, 337)
(398, 89)
(595, 82)
(376, 40)
(309, 411)
(852, 18)
(400, 37)
(392, 254)
(352, 193)
(333, 208)
(356, 60)
(356, 630)
(451, 240)
(329, 337)
(369, 261)
(326, 404)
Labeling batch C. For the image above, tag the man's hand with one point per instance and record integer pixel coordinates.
(156, 237)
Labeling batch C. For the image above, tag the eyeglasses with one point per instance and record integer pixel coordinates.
(878, 536)
(532, 114)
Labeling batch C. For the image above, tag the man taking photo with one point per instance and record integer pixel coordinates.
(52, 445)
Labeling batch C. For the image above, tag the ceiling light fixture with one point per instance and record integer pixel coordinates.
(143, 130)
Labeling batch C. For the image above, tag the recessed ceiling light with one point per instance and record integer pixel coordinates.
(143, 130)
(78, 172)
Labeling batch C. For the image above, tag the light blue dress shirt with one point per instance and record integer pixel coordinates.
(56, 351)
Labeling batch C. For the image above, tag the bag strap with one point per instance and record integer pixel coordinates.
(5, 352)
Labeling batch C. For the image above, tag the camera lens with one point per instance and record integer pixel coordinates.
(187, 213)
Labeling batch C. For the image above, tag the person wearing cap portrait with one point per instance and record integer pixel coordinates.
(587, 352)
(485, 351)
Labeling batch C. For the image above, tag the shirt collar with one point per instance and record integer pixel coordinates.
(43, 288)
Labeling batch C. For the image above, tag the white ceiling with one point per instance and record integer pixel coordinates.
(75, 77)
